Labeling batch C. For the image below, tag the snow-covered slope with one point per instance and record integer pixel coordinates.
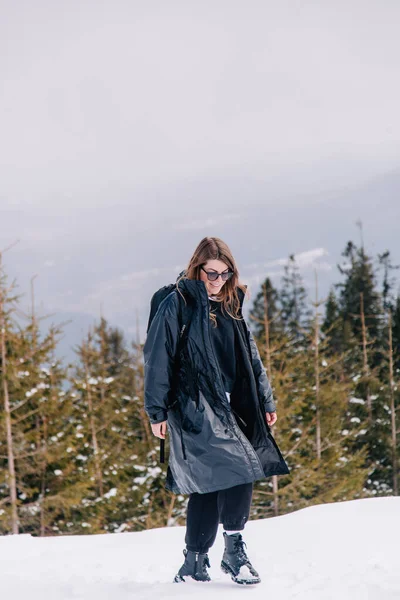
(343, 551)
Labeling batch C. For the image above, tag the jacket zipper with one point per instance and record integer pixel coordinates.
(239, 417)
(181, 432)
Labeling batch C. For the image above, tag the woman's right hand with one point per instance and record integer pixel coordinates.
(159, 429)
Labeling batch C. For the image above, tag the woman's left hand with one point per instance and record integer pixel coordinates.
(271, 418)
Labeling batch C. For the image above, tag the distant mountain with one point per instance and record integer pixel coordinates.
(113, 257)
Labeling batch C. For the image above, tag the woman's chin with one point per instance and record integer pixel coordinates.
(213, 290)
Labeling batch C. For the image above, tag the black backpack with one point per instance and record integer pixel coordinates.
(185, 310)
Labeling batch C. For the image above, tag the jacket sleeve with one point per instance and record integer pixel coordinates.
(159, 359)
(263, 385)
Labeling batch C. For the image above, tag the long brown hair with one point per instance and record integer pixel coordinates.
(213, 248)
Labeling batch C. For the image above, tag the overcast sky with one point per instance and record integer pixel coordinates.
(120, 120)
(127, 93)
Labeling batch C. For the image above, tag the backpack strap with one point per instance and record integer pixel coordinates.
(162, 451)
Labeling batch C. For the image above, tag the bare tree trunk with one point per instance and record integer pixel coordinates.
(42, 511)
(147, 428)
(275, 485)
(103, 365)
(170, 508)
(42, 443)
(266, 328)
(149, 521)
(393, 410)
(275, 489)
(40, 419)
(10, 447)
(365, 356)
(7, 415)
(99, 476)
(317, 375)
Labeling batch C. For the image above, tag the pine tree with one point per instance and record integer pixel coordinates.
(361, 308)
(264, 314)
(97, 419)
(115, 450)
(34, 417)
(360, 278)
(332, 325)
(393, 395)
(265, 306)
(368, 412)
(294, 311)
(9, 519)
(396, 333)
(388, 282)
(312, 396)
(324, 468)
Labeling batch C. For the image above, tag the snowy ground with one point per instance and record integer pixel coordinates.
(343, 551)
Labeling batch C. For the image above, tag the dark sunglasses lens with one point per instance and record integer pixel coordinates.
(226, 276)
(212, 276)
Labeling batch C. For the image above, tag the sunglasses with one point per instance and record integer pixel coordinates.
(213, 275)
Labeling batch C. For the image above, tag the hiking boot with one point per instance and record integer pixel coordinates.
(195, 566)
(235, 561)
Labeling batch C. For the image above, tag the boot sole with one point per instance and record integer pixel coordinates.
(226, 569)
(179, 579)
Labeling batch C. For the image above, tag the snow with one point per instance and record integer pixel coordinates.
(357, 401)
(342, 551)
(111, 493)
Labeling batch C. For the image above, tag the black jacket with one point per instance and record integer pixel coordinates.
(214, 444)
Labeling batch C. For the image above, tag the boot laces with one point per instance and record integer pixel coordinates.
(239, 546)
(203, 563)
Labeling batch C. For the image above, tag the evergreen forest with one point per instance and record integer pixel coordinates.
(77, 454)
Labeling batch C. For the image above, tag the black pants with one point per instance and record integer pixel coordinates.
(231, 507)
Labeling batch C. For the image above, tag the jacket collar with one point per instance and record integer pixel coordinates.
(197, 290)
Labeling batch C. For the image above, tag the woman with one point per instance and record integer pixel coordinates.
(214, 395)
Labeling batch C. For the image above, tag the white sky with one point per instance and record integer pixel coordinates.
(98, 98)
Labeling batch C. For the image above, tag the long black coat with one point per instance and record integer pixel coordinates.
(210, 448)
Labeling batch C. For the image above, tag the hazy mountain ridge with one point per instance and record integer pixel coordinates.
(138, 255)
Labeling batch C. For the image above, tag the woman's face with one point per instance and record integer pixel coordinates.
(213, 287)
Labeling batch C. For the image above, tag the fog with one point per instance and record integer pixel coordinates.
(130, 130)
